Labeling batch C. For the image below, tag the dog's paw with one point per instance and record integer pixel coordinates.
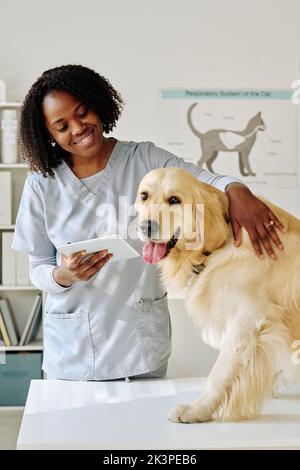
(189, 414)
(176, 413)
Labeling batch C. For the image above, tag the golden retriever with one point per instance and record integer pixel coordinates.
(247, 308)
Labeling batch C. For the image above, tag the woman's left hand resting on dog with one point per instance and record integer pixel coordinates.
(246, 210)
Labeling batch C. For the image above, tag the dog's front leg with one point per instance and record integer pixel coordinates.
(221, 376)
(238, 381)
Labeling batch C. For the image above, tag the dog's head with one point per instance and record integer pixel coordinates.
(177, 213)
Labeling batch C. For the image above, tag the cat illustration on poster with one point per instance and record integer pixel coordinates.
(222, 140)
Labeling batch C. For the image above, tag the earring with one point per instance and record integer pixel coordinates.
(53, 143)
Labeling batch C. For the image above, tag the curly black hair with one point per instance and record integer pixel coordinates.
(88, 86)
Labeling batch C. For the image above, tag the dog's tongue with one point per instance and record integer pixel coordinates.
(154, 252)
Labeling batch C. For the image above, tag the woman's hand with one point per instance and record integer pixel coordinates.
(245, 210)
(74, 268)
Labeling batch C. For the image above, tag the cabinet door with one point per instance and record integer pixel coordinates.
(18, 370)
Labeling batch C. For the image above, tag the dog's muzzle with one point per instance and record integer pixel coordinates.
(153, 251)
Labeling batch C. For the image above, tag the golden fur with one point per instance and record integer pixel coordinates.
(247, 308)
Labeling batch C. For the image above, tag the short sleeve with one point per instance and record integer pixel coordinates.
(160, 158)
(30, 235)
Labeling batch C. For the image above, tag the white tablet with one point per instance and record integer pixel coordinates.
(114, 244)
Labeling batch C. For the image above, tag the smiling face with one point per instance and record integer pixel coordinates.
(166, 211)
(72, 125)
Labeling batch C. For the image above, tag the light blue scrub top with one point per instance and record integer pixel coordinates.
(99, 329)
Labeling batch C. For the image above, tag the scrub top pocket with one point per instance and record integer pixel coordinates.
(68, 352)
(154, 328)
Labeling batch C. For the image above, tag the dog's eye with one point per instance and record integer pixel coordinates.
(173, 200)
(144, 196)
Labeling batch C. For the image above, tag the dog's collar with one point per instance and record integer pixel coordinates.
(198, 268)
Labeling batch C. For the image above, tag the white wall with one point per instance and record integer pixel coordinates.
(141, 45)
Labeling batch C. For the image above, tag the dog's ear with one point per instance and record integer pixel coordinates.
(215, 207)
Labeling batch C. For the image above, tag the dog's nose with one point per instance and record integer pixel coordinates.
(149, 228)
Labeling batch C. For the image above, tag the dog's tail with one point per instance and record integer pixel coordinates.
(254, 381)
(190, 122)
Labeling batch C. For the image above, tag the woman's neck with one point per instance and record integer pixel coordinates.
(83, 167)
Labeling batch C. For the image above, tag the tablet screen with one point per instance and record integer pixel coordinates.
(119, 247)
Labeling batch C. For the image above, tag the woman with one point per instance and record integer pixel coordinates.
(102, 321)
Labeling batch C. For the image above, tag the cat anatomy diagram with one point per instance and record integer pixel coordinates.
(217, 140)
(250, 134)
